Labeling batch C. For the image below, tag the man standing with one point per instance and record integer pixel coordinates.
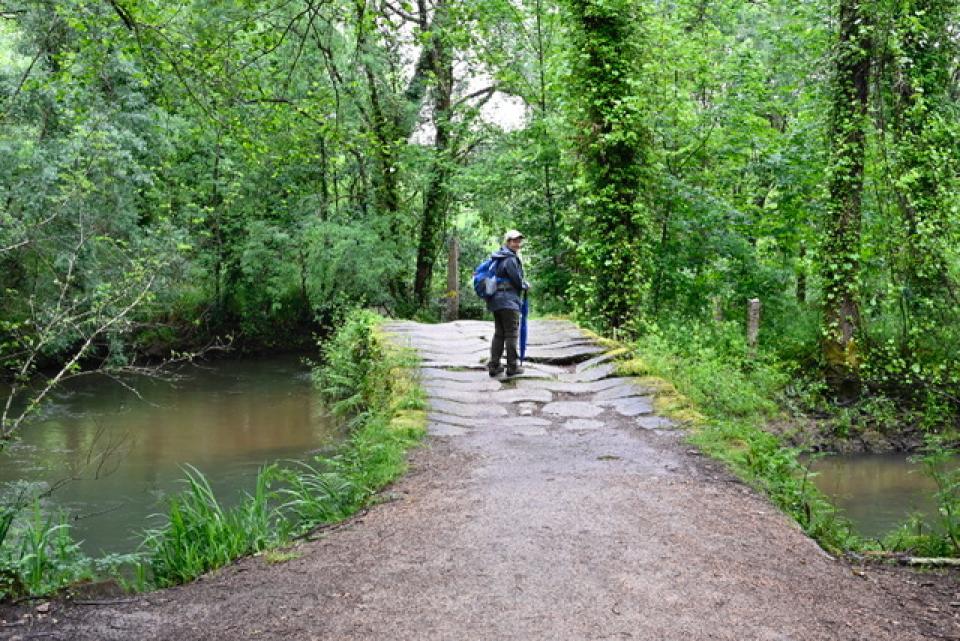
(505, 304)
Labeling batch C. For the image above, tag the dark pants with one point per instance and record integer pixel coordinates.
(505, 334)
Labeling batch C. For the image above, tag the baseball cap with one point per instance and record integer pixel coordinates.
(510, 235)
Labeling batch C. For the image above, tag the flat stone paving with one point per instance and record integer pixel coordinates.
(563, 363)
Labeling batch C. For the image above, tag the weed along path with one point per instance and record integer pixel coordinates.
(552, 506)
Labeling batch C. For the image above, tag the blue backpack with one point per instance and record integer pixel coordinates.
(485, 279)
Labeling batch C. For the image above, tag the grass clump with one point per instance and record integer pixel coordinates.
(200, 535)
(38, 555)
(941, 537)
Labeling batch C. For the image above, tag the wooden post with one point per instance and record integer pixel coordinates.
(753, 326)
(717, 309)
(452, 310)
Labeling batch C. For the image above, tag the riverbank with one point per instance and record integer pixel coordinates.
(525, 519)
(374, 390)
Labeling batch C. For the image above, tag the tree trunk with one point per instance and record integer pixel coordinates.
(924, 155)
(436, 199)
(841, 263)
(453, 280)
(611, 284)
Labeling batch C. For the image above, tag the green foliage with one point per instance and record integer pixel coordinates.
(612, 224)
(38, 556)
(710, 365)
(350, 358)
(315, 496)
(200, 535)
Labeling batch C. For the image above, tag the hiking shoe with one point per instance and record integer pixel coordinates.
(515, 372)
(495, 371)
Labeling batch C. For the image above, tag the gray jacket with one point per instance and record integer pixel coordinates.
(508, 292)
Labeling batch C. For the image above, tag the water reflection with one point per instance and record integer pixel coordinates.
(876, 491)
(124, 452)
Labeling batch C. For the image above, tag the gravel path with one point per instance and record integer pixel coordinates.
(551, 506)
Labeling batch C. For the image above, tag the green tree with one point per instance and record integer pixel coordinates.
(612, 223)
(841, 251)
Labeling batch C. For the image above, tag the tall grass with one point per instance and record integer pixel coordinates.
(200, 535)
(38, 554)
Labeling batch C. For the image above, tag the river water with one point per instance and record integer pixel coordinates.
(877, 492)
(124, 454)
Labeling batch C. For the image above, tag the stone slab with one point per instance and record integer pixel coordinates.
(452, 353)
(634, 406)
(474, 410)
(454, 346)
(562, 355)
(482, 396)
(459, 396)
(530, 431)
(597, 360)
(655, 422)
(488, 423)
(570, 387)
(582, 424)
(527, 421)
(445, 429)
(572, 409)
(484, 384)
(456, 363)
(624, 390)
(439, 374)
(463, 421)
(541, 369)
(604, 370)
(520, 395)
(526, 409)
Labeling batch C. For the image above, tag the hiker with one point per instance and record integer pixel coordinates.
(505, 305)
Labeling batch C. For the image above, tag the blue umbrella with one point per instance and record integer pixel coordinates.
(524, 310)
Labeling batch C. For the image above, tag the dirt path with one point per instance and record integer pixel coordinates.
(554, 506)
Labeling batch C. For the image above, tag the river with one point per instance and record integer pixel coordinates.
(123, 454)
(877, 492)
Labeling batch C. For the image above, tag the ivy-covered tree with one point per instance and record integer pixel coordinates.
(841, 248)
(612, 223)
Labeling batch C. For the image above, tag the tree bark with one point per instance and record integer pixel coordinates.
(453, 280)
(436, 199)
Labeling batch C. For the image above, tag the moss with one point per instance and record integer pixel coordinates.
(602, 340)
(277, 556)
(414, 422)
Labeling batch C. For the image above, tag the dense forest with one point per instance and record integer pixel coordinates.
(180, 174)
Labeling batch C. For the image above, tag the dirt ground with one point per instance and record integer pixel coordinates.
(553, 507)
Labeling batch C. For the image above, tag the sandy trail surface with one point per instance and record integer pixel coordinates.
(556, 505)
